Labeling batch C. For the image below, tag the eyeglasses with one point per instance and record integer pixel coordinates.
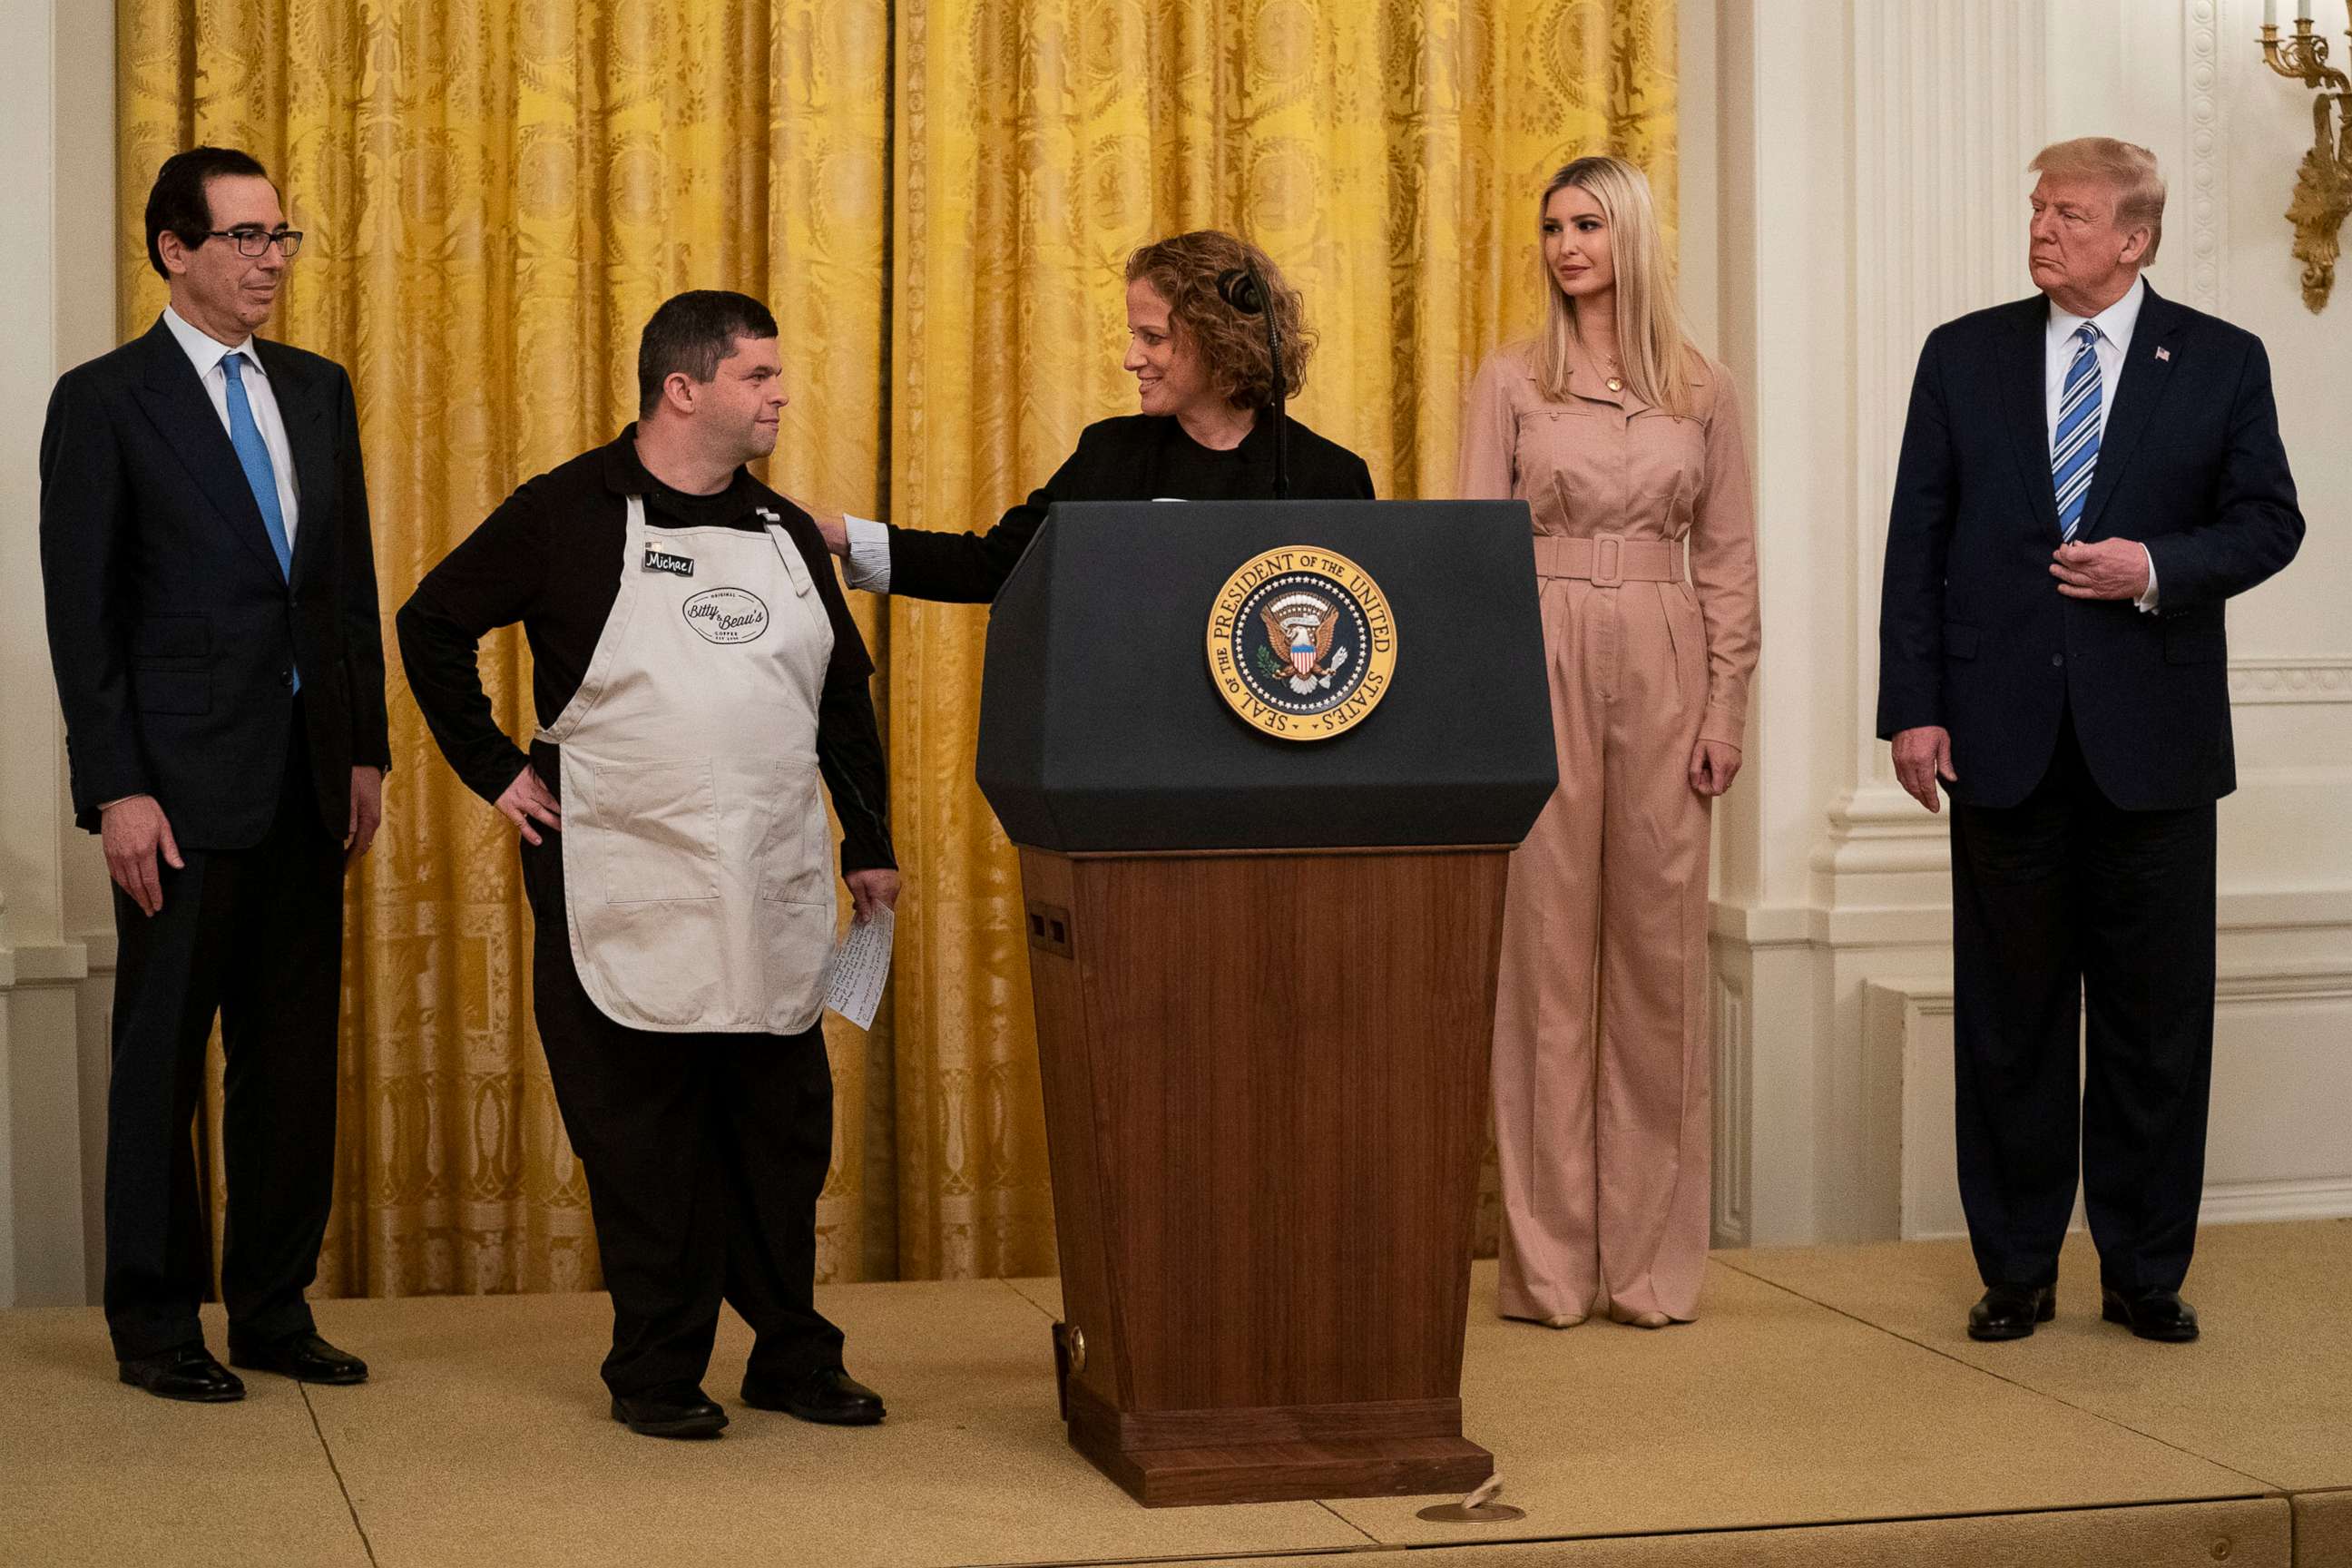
(254, 242)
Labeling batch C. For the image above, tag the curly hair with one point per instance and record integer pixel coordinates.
(1183, 271)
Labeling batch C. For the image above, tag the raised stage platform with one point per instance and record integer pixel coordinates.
(1825, 1409)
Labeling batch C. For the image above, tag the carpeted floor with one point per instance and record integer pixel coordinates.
(2267, 1391)
(1825, 1409)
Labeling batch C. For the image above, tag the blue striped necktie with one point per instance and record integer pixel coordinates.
(2076, 451)
(260, 474)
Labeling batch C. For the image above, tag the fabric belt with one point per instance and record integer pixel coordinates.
(1608, 559)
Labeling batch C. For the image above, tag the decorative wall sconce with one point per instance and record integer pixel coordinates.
(2323, 188)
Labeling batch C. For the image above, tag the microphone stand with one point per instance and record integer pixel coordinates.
(1281, 433)
(1247, 292)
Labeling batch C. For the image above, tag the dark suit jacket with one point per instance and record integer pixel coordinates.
(172, 634)
(1137, 456)
(1973, 633)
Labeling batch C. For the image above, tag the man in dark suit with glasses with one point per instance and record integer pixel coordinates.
(213, 625)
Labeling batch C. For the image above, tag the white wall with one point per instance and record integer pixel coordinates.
(1873, 185)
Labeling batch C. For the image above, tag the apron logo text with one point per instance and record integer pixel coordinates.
(727, 614)
(661, 560)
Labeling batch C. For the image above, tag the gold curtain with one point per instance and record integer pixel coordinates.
(1387, 157)
(936, 198)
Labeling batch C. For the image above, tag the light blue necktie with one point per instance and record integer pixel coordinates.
(253, 456)
(2076, 451)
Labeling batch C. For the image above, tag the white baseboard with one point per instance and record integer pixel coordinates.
(2247, 1203)
(2231, 1203)
(2275, 1150)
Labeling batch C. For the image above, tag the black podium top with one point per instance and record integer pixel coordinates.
(1101, 727)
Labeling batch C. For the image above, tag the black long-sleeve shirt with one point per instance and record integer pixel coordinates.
(549, 557)
(1139, 457)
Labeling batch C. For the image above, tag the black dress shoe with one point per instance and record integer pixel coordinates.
(186, 1372)
(828, 1394)
(2154, 1314)
(682, 1412)
(2009, 1311)
(304, 1357)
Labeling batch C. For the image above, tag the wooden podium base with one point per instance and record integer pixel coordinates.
(1276, 1454)
(1266, 1084)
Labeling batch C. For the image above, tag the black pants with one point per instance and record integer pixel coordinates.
(255, 935)
(2064, 905)
(705, 1156)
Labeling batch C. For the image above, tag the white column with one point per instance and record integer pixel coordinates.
(1785, 322)
(1873, 156)
(1948, 103)
(57, 132)
(28, 762)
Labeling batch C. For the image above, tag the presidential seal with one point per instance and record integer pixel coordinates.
(1301, 643)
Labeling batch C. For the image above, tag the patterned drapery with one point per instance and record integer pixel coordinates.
(936, 198)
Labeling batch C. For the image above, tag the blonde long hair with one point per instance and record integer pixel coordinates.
(1652, 345)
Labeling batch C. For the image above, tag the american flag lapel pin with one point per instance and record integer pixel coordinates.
(2164, 353)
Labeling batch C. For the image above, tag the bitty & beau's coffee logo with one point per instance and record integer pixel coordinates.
(727, 614)
(1301, 643)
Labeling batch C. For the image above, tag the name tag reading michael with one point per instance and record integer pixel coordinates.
(858, 967)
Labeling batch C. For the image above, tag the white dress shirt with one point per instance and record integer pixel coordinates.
(868, 565)
(2113, 326)
(206, 352)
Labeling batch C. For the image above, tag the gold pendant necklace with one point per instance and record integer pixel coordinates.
(1615, 383)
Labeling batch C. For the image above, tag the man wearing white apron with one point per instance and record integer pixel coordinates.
(695, 672)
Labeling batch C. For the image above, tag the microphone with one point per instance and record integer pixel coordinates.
(1245, 291)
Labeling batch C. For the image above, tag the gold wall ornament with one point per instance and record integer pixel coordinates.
(2323, 186)
(2323, 198)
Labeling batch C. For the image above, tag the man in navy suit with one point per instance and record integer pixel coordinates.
(2086, 476)
(212, 618)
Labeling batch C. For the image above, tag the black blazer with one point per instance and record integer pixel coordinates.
(1134, 457)
(172, 634)
(1973, 633)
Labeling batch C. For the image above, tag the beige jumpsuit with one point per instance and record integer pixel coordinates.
(1602, 1120)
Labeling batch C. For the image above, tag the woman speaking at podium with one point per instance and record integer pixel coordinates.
(1209, 426)
(1624, 442)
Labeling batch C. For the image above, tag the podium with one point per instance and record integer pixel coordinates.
(1265, 967)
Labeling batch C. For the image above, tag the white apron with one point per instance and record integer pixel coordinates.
(696, 863)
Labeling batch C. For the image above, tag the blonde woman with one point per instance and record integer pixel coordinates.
(1624, 442)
